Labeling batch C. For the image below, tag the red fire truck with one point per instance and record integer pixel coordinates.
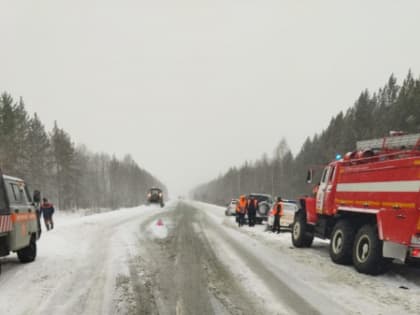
(367, 204)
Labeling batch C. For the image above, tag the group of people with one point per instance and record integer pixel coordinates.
(246, 206)
(250, 205)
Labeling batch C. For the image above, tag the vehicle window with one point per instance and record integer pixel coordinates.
(324, 175)
(3, 204)
(16, 194)
(28, 194)
(10, 192)
(332, 174)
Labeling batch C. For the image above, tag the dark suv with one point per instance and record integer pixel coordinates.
(155, 195)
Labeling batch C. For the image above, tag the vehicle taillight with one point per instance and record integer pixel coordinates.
(415, 252)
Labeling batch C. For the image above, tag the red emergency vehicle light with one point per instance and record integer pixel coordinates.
(415, 252)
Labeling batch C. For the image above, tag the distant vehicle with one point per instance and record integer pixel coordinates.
(155, 195)
(286, 221)
(265, 203)
(231, 207)
(19, 223)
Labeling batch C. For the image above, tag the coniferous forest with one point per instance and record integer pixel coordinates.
(393, 107)
(71, 176)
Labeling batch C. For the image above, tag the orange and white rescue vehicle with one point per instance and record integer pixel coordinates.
(367, 205)
(19, 224)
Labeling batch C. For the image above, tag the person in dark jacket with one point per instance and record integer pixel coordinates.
(252, 210)
(47, 211)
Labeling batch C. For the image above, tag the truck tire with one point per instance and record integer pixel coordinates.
(301, 235)
(28, 253)
(341, 242)
(367, 251)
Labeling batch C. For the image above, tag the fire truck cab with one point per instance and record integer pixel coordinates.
(367, 204)
(19, 224)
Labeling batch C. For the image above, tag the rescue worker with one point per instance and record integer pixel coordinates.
(47, 211)
(241, 210)
(252, 211)
(277, 212)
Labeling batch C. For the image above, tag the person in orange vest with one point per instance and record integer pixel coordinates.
(252, 210)
(277, 212)
(241, 210)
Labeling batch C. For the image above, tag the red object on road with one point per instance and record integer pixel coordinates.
(159, 222)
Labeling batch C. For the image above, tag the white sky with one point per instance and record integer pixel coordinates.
(190, 88)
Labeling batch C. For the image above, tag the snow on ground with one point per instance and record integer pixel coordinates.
(158, 229)
(312, 268)
(78, 266)
(85, 266)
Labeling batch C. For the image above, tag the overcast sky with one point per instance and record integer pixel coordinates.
(192, 87)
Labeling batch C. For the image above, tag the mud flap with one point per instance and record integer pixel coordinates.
(394, 250)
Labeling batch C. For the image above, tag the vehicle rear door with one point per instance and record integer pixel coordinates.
(22, 214)
(5, 220)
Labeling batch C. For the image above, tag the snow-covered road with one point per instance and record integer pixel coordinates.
(78, 266)
(188, 258)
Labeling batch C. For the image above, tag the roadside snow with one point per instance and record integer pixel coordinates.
(313, 269)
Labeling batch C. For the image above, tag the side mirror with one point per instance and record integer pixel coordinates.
(309, 176)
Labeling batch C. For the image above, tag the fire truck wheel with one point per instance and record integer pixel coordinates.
(341, 243)
(28, 253)
(301, 237)
(367, 251)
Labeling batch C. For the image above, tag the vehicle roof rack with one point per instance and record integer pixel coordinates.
(398, 142)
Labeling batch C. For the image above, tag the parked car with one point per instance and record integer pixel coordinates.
(231, 207)
(286, 221)
(265, 203)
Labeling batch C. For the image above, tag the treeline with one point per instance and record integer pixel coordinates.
(69, 175)
(393, 107)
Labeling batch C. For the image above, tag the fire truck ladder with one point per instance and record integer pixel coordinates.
(394, 143)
